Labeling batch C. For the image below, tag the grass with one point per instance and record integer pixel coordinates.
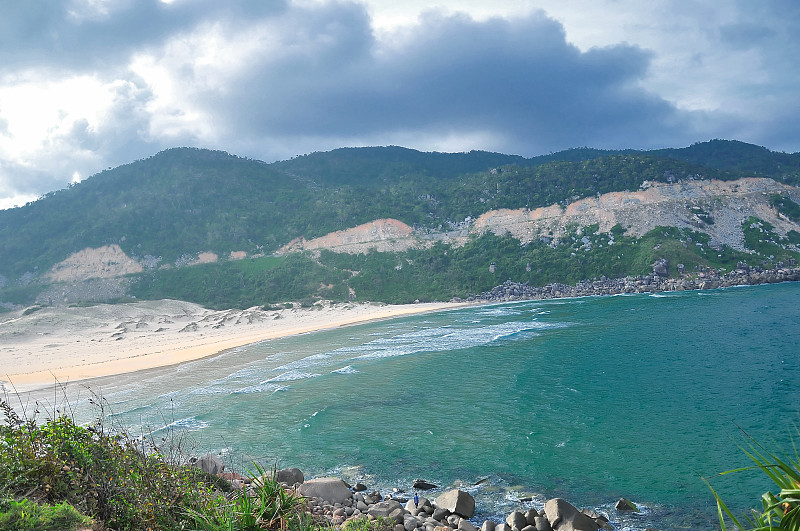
(26, 515)
(779, 511)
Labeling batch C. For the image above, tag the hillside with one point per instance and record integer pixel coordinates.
(134, 230)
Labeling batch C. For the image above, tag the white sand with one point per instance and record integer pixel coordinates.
(69, 344)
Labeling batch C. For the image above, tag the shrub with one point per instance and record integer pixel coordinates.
(124, 482)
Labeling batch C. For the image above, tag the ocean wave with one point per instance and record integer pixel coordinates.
(263, 387)
(345, 370)
(448, 338)
(188, 424)
(290, 376)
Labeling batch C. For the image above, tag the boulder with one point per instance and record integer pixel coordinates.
(625, 505)
(563, 516)
(488, 525)
(290, 476)
(423, 485)
(440, 514)
(466, 525)
(530, 516)
(457, 502)
(210, 463)
(384, 508)
(516, 520)
(332, 490)
(543, 524)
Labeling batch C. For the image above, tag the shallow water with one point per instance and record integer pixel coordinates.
(588, 399)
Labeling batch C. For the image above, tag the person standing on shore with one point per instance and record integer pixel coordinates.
(416, 500)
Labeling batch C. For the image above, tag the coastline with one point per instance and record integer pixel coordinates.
(60, 345)
(71, 344)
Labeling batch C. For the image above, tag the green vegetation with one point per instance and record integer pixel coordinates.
(244, 283)
(26, 515)
(191, 200)
(440, 272)
(58, 475)
(268, 506)
(778, 512)
(760, 236)
(785, 206)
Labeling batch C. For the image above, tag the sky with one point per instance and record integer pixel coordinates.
(87, 85)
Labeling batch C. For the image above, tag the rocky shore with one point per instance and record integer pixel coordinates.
(658, 281)
(337, 502)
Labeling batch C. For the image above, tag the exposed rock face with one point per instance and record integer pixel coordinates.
(104, 262)
(689, 204)
(716, 208)
(457, 502)
(381, 234)
(333, 490)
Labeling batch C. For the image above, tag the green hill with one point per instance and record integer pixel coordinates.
(164, 210)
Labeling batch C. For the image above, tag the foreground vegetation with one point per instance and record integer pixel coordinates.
(55, 475)
(778, 511)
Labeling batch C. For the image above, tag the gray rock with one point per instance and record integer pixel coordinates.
(516, 520)
(410, 523)
(466, 525)
(543, 524)
(398, 515)
(360, 487)
(530, 516)
(423, 485)
(457, 502)
(565, 517)
(210, 463)
(290, 476)
(330, 489)
(440, 514)
(529, 528)
(502, 527)
(488, 525)
(625, 505)
(384, 508)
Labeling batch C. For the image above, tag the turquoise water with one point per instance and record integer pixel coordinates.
(588, 399)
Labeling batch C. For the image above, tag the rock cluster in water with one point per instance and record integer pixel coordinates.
(335, 501)
(707, 278)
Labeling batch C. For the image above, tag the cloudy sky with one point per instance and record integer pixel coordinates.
(91, 84)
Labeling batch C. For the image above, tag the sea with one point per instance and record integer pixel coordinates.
(588, 399)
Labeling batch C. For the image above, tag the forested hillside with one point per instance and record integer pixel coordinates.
(164, 211)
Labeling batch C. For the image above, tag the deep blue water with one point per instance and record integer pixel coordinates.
(589, 399)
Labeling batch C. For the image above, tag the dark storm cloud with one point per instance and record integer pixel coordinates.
(71, 35)
(518, 79)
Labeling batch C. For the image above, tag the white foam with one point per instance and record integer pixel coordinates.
(345, 370)
(188, 424)
(291, 376)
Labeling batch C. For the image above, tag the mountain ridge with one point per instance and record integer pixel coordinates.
(187, 206)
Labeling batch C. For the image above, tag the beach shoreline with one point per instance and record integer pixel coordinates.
(59, 345)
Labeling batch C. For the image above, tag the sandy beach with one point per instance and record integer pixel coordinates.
(70, 344)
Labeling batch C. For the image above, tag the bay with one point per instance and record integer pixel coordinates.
(588, 399)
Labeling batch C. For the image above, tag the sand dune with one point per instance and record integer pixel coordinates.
(69, 344)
